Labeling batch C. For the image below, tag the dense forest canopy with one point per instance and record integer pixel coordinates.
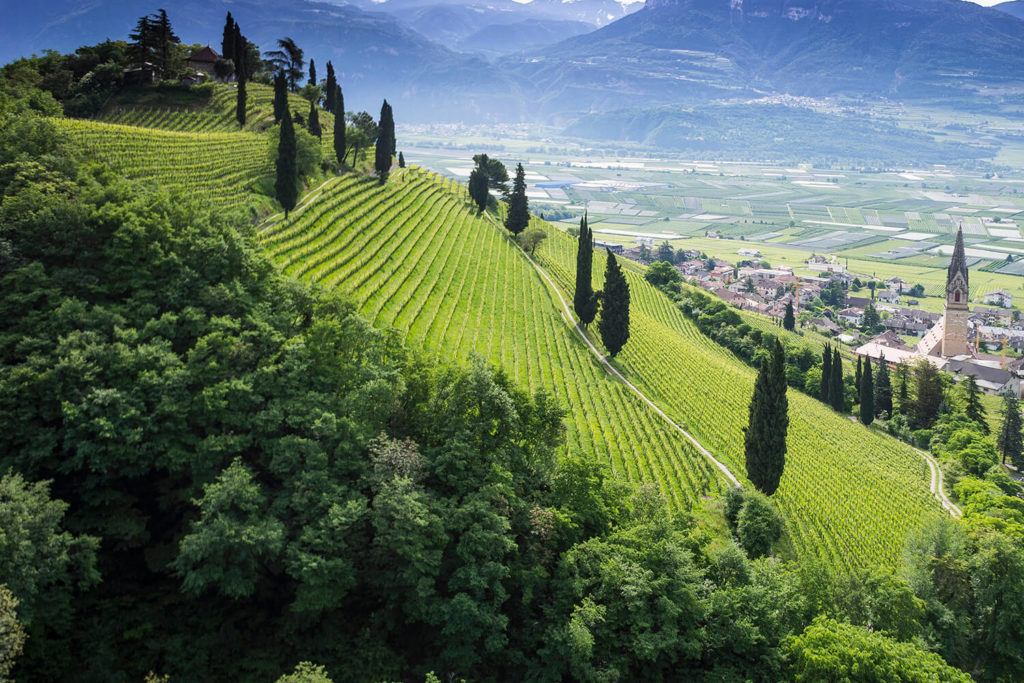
(213, 472)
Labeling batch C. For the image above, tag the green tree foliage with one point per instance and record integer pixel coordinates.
(280, 97)
(12, 633)
(227, 41)
(401, 160)
(518, 216)
(288, 60)
(758, 525)
(930, 393)
(872, 321)
(764, 437)
(867, 395)
(831, 651)
(972, 403)
(497, 174)
(826, 375)
(306, 672)
(286, 183)
(789, 320)
(154, 41)
(312, 72)
(585, 299)
(313, 124)
(883, 389)
(41, 563)
(1010, 440)
(662, 274)
(531, 238)
(339, 122)
(478, 188)
(333, 101)
(241, 101)
(385, 143)
(614, 323)
(836, 388)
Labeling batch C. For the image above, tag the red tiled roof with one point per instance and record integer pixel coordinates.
(207, 54)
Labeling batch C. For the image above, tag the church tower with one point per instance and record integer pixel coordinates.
(954, 339)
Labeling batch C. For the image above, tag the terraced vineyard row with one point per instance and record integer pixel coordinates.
(220, 167)
(849, 494)
(217, 115)
(414, 256)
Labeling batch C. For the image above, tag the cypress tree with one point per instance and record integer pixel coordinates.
(227, 42)
(280, 97)
(585, 300)
(614, 323)
(339, 125)
(382, 151)
(401, 160)
(1009, 439)
(857, 378)
(331, 93)
(478, 188)
(312, 72)
(973, 409)
(313, 124)
(826, 375)
(241, 54)
(789, 320)
(241, 101)
(902, 372)
(764, 437)
(518, 216)
(837, 392)
(867, 395)
(883, 389)
(286, 187)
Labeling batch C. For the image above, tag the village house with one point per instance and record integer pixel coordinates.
(1000, 297)
(990, 316)
(748, 252)
(610, 246)
(806, 295)
(887, 296)
(817, 259)
(825, 326)
(852, 316)
(203, 61)
(905, 325)
(769, 289)
(895, 284)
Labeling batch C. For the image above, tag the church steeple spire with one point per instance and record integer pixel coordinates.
(957, 265)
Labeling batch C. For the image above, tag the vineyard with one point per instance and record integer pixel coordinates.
(220, 167)
(414, 256)
(215, 115)
(849, 494)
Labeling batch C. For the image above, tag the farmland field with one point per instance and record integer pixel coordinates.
(415, 256)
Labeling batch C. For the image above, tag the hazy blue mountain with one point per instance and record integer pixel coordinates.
(691, 50)
(596, 13)
(375, 55)
(1013, 7)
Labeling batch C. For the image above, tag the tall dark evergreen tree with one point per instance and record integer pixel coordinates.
(518, 216)
(867, 395)
(385, 129)
(331, 92)
(313, 122)
(836, 388)
(312, 72)
(227, 42)
(401, 160)
(614, 323)
(1009, 439)
(789, 320)
(240, 101)
(902, 373)
(764, 437)
(286, 187)
(858, 375)
(826, 375)
(339, 125)
(883, 389)
(243, 69)
(930, 393)
(280, 96)
(585, 299)
(151, 42)
(973, 408)
(478, 188)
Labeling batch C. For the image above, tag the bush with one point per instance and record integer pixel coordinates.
(732, 501)
(758, 525)
(922, 437)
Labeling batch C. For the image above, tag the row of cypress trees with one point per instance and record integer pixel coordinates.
(613, 300)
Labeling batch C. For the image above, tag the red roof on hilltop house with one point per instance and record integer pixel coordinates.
(207, 54)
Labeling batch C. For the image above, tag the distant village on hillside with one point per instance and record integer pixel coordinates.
(881, 320)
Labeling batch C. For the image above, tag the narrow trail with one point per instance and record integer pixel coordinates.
(938, 485)
(610, 369)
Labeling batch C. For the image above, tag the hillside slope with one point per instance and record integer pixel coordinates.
(415, 256)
